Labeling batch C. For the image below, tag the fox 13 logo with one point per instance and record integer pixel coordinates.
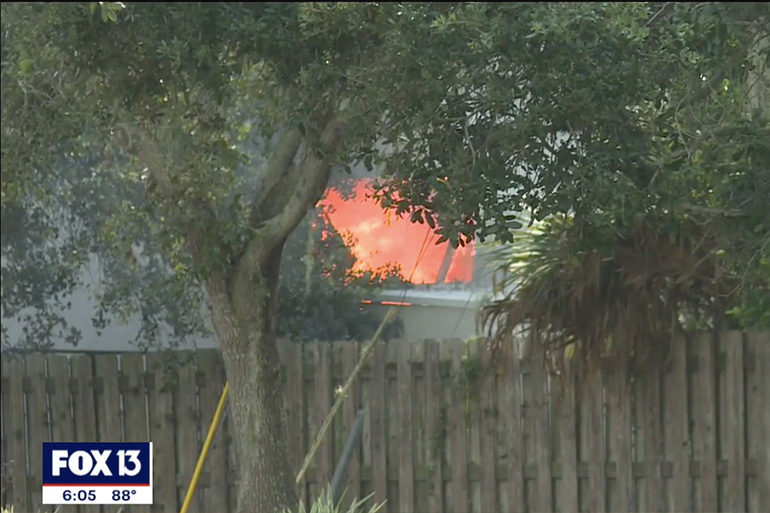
(97, 473)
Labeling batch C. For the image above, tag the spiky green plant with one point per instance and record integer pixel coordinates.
(325, 504)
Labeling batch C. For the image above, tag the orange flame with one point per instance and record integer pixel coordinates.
(382, 239)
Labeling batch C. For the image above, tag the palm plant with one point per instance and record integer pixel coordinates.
(587, 293)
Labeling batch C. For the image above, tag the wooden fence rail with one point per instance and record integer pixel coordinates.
(445, 431)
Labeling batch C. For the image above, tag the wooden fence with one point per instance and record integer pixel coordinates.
(442, 433)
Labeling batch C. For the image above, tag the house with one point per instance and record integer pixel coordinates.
(446, 287)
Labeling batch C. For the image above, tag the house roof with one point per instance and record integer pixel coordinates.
(460, 297)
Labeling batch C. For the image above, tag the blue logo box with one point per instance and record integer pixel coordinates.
(95, 463)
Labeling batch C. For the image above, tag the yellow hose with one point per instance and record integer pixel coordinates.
(205, 450)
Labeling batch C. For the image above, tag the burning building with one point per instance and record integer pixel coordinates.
(445, 284)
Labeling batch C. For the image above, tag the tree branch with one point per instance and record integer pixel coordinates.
(311, 178)
(279, 195)
(275, 170)
(697, 209)
(657, 14)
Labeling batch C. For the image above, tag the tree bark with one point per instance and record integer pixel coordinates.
(244, 320)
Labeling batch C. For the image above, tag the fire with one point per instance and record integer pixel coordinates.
(382, 238)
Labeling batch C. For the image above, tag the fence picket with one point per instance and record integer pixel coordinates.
(59, 409)
(434, 427)
(703, 468)
(337, 430)
(14, 480)
(675, 471)
(350, 412)
(83, 393)
(487, 417)
(592, 442)
(619, 434)
(295, 409)
(324, 398)
(458, 432)
(378, 419)
(161, 407)
(758, 421)
(564, 438)
(186, 429)
(62, 422)
(133, 392)
(472, 416)
(37, 419)
(108, 409)
(405, 430)
(539, 494)
(732, 421)
(420, 402)
(512, 414)
(392, 423)
(648, 429)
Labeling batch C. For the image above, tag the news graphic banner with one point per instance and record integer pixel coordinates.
(97, 473)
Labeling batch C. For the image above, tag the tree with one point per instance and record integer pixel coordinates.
(687, 243)
(474, 111)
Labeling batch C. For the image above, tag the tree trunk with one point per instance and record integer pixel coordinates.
(244, 320)
(266, 481)
(244, 310)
